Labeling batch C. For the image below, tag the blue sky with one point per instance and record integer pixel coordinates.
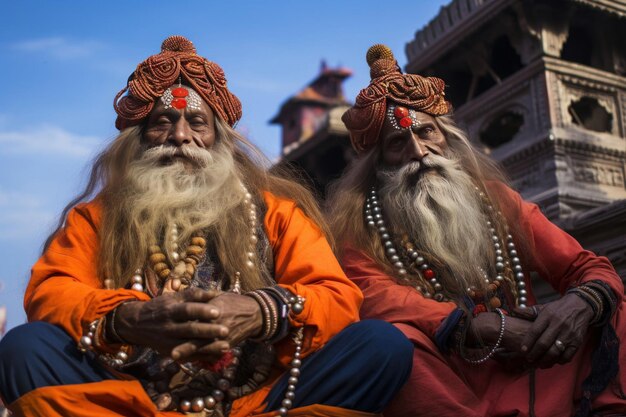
(62, 62)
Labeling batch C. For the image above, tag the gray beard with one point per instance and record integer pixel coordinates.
(436, 204)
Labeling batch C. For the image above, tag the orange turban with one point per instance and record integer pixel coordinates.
(365, 119)
(177, 59)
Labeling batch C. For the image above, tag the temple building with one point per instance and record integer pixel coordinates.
(314, 139)
(540, 85)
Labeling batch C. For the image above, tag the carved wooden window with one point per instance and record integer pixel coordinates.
(502, 129)
(591, 115)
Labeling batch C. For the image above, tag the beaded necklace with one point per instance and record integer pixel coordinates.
(178, 277)
(374, 219)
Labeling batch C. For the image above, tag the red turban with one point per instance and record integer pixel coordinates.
(365, 119)
(177, 59)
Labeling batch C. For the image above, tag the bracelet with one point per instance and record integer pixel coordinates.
(494, 348)
(269, 315)
(110, 334)
(593, 298)
(89, 340)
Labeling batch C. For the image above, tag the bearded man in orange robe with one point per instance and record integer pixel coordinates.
(194, 281)
(442, 248)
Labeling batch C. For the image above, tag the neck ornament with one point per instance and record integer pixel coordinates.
(429, 286)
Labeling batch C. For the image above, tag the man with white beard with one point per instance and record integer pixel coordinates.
(194, 281)
(442, 249)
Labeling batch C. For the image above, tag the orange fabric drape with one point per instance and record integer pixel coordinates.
(65, 290)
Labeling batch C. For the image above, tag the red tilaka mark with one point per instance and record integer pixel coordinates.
(179, 103)
(180, 92)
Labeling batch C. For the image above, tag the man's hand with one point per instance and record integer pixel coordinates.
(566, 320)
(240, 314)
(170, 321)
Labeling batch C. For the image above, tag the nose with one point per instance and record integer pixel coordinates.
(416, 150)
(181, 133)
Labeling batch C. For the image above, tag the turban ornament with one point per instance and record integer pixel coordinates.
(154, 76)
(389, 85)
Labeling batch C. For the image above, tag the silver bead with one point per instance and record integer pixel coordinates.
(382, 229)
(521, 284)
(296, 363)
(287, 403)
(419, 260)
(254, 239)
(499, 259)
(371, 223)
(121, 355)
(378, 216)
(249, 264)
(523, 300)
(117, 363)
(513, 252)
(380, 223)
(517, 268)
(523, 293)
(282, 411)
(184, 405)
(391, 251)
(290, 395)
(499, 266)
(499, 278)
(297, 308)
(209, 402)
(385, 236)
(388, 243)
(85, 341)
(137, 287)
(197, 405)
(515, 260)
(424, 267)
(291, 387)
(522, 305)
(223, 384)
(497, 246)
(433, 281)
(137, 279)
(499, 252)
(218, 395)
(402, 271)
(519, 276)
(398, 265)
(510, 246)
(369, 219)
(438, 287)
(293, 380)
(294, 372)
(376, 209)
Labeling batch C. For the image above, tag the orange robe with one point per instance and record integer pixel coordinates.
(65, 290)
(445, 385)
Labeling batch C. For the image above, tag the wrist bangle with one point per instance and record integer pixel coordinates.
(493, 349)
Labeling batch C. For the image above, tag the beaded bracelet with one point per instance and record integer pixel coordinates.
(592, 297)
(493, 349)
(266, 315)
(89, 341)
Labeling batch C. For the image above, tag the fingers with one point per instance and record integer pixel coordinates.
(198, 295)
(186, 350)
(535, 342)
(194, 311)
(527, 313)
(198, 330)
(568, 354)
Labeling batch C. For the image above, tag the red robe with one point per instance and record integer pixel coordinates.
(65, 290)
(446, 385)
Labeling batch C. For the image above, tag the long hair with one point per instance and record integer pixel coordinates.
(347, 195)
(230, 236)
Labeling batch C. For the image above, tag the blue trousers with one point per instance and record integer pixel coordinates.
(361, 368)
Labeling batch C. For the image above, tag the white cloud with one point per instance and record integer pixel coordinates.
(59, 47)
(23, 216)
(47, 139)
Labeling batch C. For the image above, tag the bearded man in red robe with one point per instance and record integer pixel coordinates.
(194, 281)
(442, 248)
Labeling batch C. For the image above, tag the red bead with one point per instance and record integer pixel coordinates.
(180, 92)
(429, 273)
(401, 112)
(406, 122)
(179, 103)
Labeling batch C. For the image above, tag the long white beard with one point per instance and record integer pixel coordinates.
(436, 204)
(164, 190)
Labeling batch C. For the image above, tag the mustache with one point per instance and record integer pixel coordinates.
(166, 153)
(412, 172)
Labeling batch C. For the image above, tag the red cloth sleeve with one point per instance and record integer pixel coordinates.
(387, 300)
(556, 256)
